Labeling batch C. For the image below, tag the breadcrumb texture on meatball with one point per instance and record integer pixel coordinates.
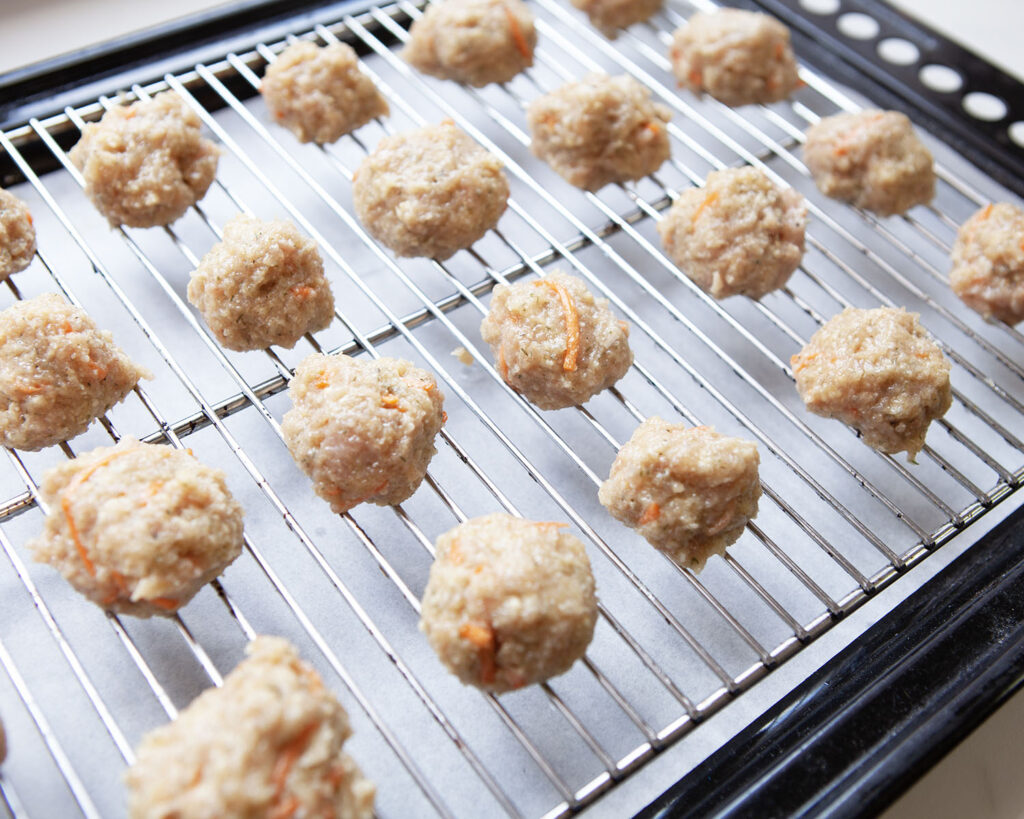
(738, 57)
(740, 234)
(509, 602)
(266, 744)
(689, 491)
(146, 163)
(988, 262)
(429, 192)
(609, 16)
(57, 372)
(599, 130)
(17, 235)
(476, 42)
(879, 372)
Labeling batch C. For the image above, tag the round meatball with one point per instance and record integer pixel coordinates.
(319, 94)
(145, 164)
(688, 490)
(138, 528)
(509, 602)
(57, 372)
(610, 15)
(362, 430)
(17, 236)
(476, 42)
(739, 234)
(988, 262)
(738, 57)
(267, 744)
(872, 159)
(429, 192)
(599, 130)
(879, 372)
(262, 284)
(554, 342)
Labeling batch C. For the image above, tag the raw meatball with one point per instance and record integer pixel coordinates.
(145, 164)
(738, 57)
(138, 528)
(265, 745)
(429, 192)
(17, 236)
(472, 41)
(262, 284)
(872, 159)
(739, 234)
(319, 94)
(688, 490)
(611, 15)
(599, 130)
(509, 602)
(879, 372)
(362, 430)
(57, 372)
(554, 342)
(988, 262)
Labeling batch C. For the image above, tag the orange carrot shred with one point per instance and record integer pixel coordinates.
(286, 761)
(65, 505)
(695, 77)
(987, 212)
(572, 324)
(652, 127)
(502, 364)
(286, 809)
(650, 514)
(29, 217)
(482, 636)
(390, 401)
(517, 34)
(167, 603)
(302, 291)
(709, 200)
(67, 328)
(444, 417)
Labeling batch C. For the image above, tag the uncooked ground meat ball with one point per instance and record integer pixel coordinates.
(872, 159)
(738, 57)
(688, 490)
(429, 192)
(17, 236)
(509, 602)
(262, 284)
(57, 372)
(739, 234)
(611, 15)
(319, 94)
(472, 41)
(267, 744)
(554, 342)
(362, 430)
(138, 528)
(879, 372)
(988, 262)
(599, 130)
(145, 164)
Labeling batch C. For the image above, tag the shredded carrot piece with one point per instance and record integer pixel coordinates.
(30, 389)
(286, 809)
(695, 77)
(801, 361)
(29, 217)
(286, 761)
(650, 514)
(652, 127)
(321, 380)
(502, 364)
(67, 328)
(986, 212)
(455, 553)
(517, 34)
(482, 636)
(166, 603)
(302, 291)
(365, 498)
(572, 324)
(65, 505)
(390, 401)
(130, 112)
(709, 200)
(444, 417)
(279, 115)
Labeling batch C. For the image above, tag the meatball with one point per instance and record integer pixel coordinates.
(688, 490)
(17, 236)
(267, 743)
(738, 57)
(879, 372)
(429, 192)
(145, 164)
(57, 372)
(872, 159)
(739, 234)
(319, 94)
(509, 602)
(362, 430)
(599, 130)
(138, 528)
(554, 342)
(476, 42)
(262, 284)
(611, 15)
(988, 262)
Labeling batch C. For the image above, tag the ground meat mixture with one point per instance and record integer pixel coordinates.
(509, 602)
(739, 234)
(879, 372)
(267, 744)
(738, 57)
(476, 42)
(429, 192)
(688, 490)
(988, 262)
(57, 372)
(145, 164)
(362, 430)
(872, 159)
(611, 15)
(554, 342)
(599, 130)
(17, 236)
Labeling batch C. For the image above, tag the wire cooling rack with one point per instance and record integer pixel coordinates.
(837, 521)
